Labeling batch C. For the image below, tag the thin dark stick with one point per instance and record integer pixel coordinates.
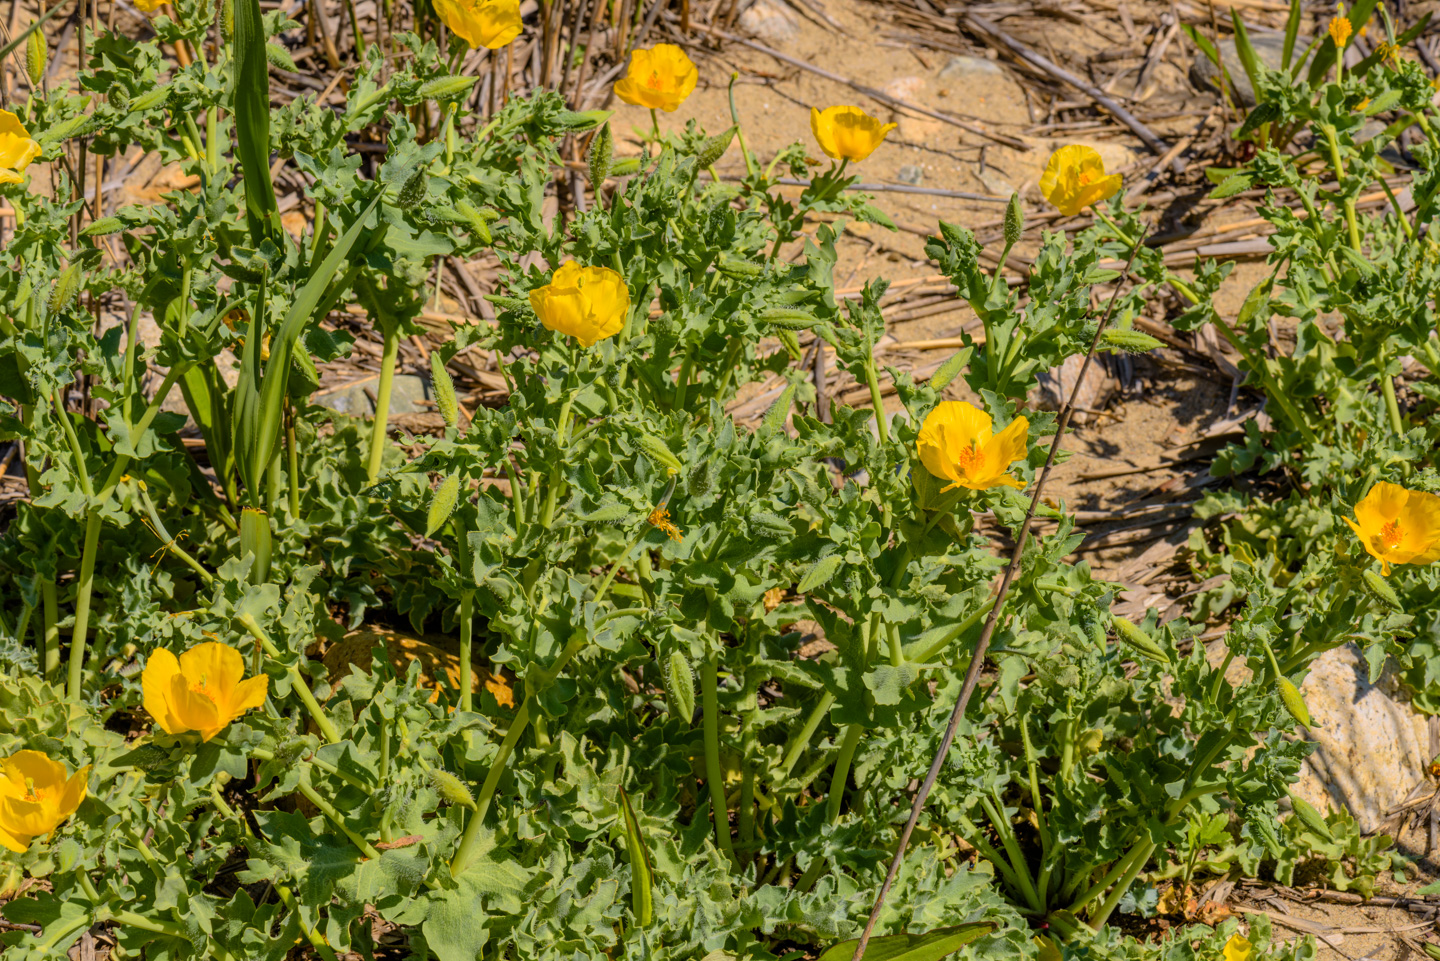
(972, 676)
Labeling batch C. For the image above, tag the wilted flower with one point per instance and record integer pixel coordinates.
(659, 78)
(481, 23)
(16, 148)
(1398, 526)
(200, 691)
(660, 518)
(35, 797)
(1340, 31)
(1238, 948)
(955, 444)
(1075, 178)
(587, 303)
(847, 133)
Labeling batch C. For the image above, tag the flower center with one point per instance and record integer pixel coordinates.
(201, 687)
(31, 794)
(969, 457)
(653, 81)
(1086, 178)
(1390, 535)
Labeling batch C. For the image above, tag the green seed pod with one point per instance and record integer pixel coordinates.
(413, 193)
(713, 149)
(625, 166)
(702, 477)
(442, 504)
(280, 57)
(74, 127)
(602, 152)
(65, 288)
(679, 683)
(103, 227)
(581, 120)
(820, 574)
(444, 389)
(1382, 589)
(451, 788)
(1130, 341)
(1431, 948)
(774, 418)
(1311, 817)
(1014, 221)
(738, 268)
(1294, 703)
(118, 97)
(150, 99)
(477, 221)
(766, 524)
(1142, 643)
(655, 449)
(227, 18)
(788, 319)
(37, 56)
(447, 88)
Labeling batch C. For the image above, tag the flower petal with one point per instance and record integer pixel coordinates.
(192, 711)
(250, 693)
(75, 790)
(12, 841)
(160, 668)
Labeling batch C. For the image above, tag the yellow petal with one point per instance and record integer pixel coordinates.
(14, 842)
(249, 693)
(218, 665)
(75, 790)
(9, 176)
(160, 668)
(847, 133)
(192, 711)
(1009, 445)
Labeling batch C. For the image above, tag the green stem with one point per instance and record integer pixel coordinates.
(747, 805)
(328, 809)
(49, 608)
(800, 740)
(292, 460)
(682, 383)
(1338, 163)
(380, 429)
(739, 131)
(467, 628)
(171, 544)
(1108, 905)
(872, 379)
(297, 680)
(995, 808)
(1392, 404)
(841, 775)
(709, 694)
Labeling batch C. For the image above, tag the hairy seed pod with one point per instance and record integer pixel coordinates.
(451, 788)
(413, 192)
(227, 18)
(713, 149)
(280, 57)
(446, 88)
(477, 221)
(1014, 221)
(444, 389)
(442, 504)
(1382, 589)
(738, 268)
(766, 524)
(1311, 817)
(602, 152)
(702, 477)
(147, 757)
(118, 97)
(102, 227)
(290, 750)
(788, 318)
(65, 288)
(1294, 703)
(37, 56)
(655, 449)
(679, 683)
(774, 418)
(818, 575)
(1130, 341)
(1139, 641)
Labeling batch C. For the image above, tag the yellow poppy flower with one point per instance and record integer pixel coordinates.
(149, 6)
(1075, 178)
(1238, 949)
(847, 133)
(35, 797)
(587, 303)
(200, 691)
(16, 148)
(1398, 526)
(482, 23)
(955, 444)
(659, 78)
(1340, 30)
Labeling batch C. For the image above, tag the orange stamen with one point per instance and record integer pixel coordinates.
(970, 457)
(1390, 535)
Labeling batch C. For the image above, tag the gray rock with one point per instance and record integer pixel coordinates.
(910, 174)
(408, 395)
(961, 68)
(769, 22)
(1269, 48)
(1370, 744)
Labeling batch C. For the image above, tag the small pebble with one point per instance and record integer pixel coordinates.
(910, 174)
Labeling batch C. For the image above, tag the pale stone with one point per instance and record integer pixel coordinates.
(914, 127)
(408, 395)
(965, 68)
(1370, 743)
(770, 22)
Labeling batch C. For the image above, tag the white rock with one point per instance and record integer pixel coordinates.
(1371, 744)
(962, 68)
(770, 22)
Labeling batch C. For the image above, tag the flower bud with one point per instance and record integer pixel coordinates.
(1139, 641)
(714, 148)
(818, 575)
(65, 288)
(227, 18)
(679, 683)
(446, 88)
(1382, 590)
(451, 788)
(444, 389)
(37, 56)
(1294, 703)
(1130, 341)
(658, 452)
(118, 97)
(479, 225)
(442, 504)
(1014, 221)
(602, 151)
(1311, 817)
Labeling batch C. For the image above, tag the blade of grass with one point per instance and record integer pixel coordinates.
(250, 105)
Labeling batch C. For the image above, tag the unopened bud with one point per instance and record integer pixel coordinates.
(1014, 221)
(451, 788)
(442, 504)
(37, 56)
(602, 150)
(679, 683)
(1294, 703)
(1381, 589)
(118, 97)
(444, 389)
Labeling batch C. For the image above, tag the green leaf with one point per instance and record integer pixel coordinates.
(250, 103)
(642, 897)
(912, 947)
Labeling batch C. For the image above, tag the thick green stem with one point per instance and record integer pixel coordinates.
(995, 808)
(872, 380)
(1107, 907)
(381, 427)
(709, 695)
(467, 628)
(747, 805)
(1392, 404)
(800, 740)
(83, 589)
(841, 774)
(49, 608)
(298, 683)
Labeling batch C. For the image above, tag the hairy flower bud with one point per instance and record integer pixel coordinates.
(602, 151)
(442, 504)
(1014, 221)
(37, 56)
(679, 682)
(444, 389)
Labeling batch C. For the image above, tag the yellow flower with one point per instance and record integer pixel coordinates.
(587, 303)
(659, 78)
(35, 796)
(955, 444)
(660, 517)
(1075, 179)
(481, 23)
(149, 6)
(1340, 31)
(1398, 526)
(16, 148)
(200, 691)
(847, 133)
(1238, 949)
